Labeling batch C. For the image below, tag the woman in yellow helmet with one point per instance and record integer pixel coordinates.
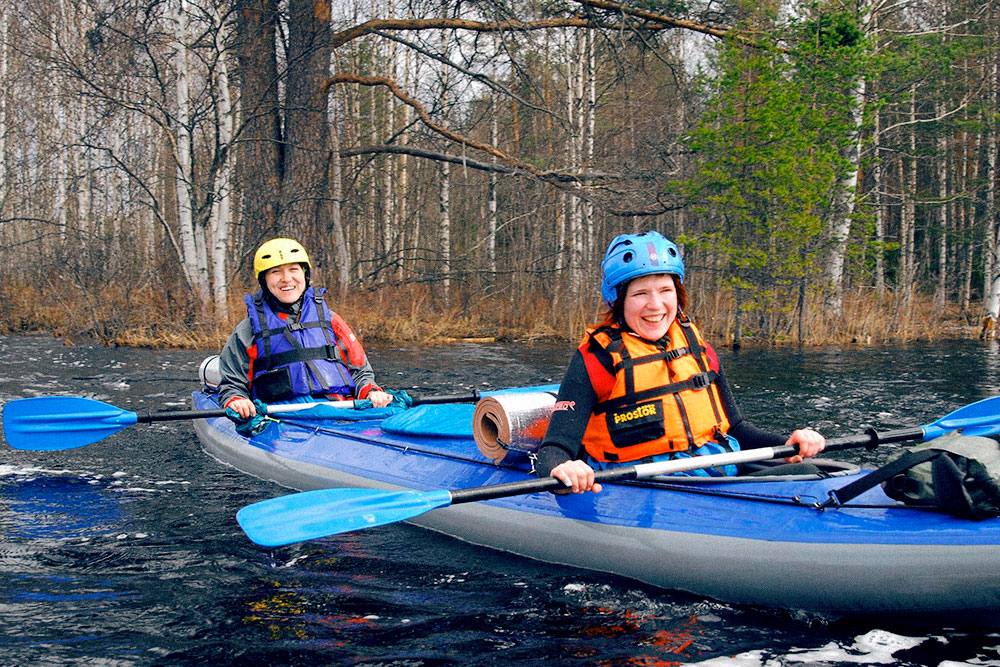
(291, 345)
(644, 385)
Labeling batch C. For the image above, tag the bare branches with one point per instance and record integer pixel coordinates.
(561, 179)
(614, 17)
(518, 165)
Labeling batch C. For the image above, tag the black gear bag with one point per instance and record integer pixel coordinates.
(955, 473)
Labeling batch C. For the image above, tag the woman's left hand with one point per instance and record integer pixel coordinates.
(810, 443)
(379, 399)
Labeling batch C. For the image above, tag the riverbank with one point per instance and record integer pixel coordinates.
(147, 317)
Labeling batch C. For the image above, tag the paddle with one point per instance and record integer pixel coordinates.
(324, 512)
(50, 423)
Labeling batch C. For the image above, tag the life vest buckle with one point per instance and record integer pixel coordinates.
(700, 381)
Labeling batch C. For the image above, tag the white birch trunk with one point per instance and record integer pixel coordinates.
(574, 115)
(444, 239)
(149, 136)
(83, 166)
(491, 202)
(119, 142)
(196, 278)
(964, 223)
(879, 185)
(77, 119)
(371, 224)
(341, 252)
(942, 249)
(908, 183)
(444, 236)
(59, 112)
(991, 241)
(560, 209)
(4, 130)
(588, 206)
(491, 199)
(845, 197)
(222, 208)
(388, 180)
(403, 171)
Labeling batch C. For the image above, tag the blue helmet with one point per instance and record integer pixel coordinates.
(632, 255)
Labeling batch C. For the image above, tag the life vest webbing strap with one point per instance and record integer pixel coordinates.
(601, 353)
(664, 355)
(699, 356)
(628, 366)
(684, 420)
(291, 356)
(699, 381)
(681, 408)
(295, 326)
(628, 362)
(265, 334)
(325, 315)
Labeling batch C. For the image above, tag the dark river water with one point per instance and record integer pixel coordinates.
(126, 552)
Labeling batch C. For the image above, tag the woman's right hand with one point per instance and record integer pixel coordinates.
(244, 407)
(577, 476)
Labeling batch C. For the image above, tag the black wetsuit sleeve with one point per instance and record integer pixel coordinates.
(564, 437)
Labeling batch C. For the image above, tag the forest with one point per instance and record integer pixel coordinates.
(457, 168)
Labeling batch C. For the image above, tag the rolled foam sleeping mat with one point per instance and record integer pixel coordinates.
(507, 422)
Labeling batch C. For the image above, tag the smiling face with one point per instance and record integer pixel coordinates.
(286, 282)
(651, 305)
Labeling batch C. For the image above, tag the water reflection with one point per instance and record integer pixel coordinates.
(47, 506)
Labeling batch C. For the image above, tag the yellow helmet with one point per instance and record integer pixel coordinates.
(277, 252)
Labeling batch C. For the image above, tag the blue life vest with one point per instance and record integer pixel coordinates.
(296, 358)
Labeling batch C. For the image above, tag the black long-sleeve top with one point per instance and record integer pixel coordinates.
(564, 438)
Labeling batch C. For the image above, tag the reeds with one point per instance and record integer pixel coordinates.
(151, 316)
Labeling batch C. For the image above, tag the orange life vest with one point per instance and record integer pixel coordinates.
(662, 398)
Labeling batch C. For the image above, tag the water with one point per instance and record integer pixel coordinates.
(126, 552)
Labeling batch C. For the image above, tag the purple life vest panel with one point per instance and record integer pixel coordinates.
(299, 358)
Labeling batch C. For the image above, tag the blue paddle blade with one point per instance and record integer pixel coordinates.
(48, 423)
(314, 514)
(981, 418)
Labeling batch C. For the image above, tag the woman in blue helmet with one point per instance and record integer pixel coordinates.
(644, 385)
(291, 345)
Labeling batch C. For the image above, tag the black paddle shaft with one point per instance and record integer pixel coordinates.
(455, 398)
(532, 486)
(177, 415)
(872, 438)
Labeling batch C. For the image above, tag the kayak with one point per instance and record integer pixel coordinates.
(751, 540)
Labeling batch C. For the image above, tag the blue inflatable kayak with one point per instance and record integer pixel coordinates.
(757, 541)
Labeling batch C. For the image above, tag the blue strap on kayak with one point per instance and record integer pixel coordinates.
(362, 410)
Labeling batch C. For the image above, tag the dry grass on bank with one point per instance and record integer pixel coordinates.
(412, 314)
(149, 317)
(868, 319)
(133, 317)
